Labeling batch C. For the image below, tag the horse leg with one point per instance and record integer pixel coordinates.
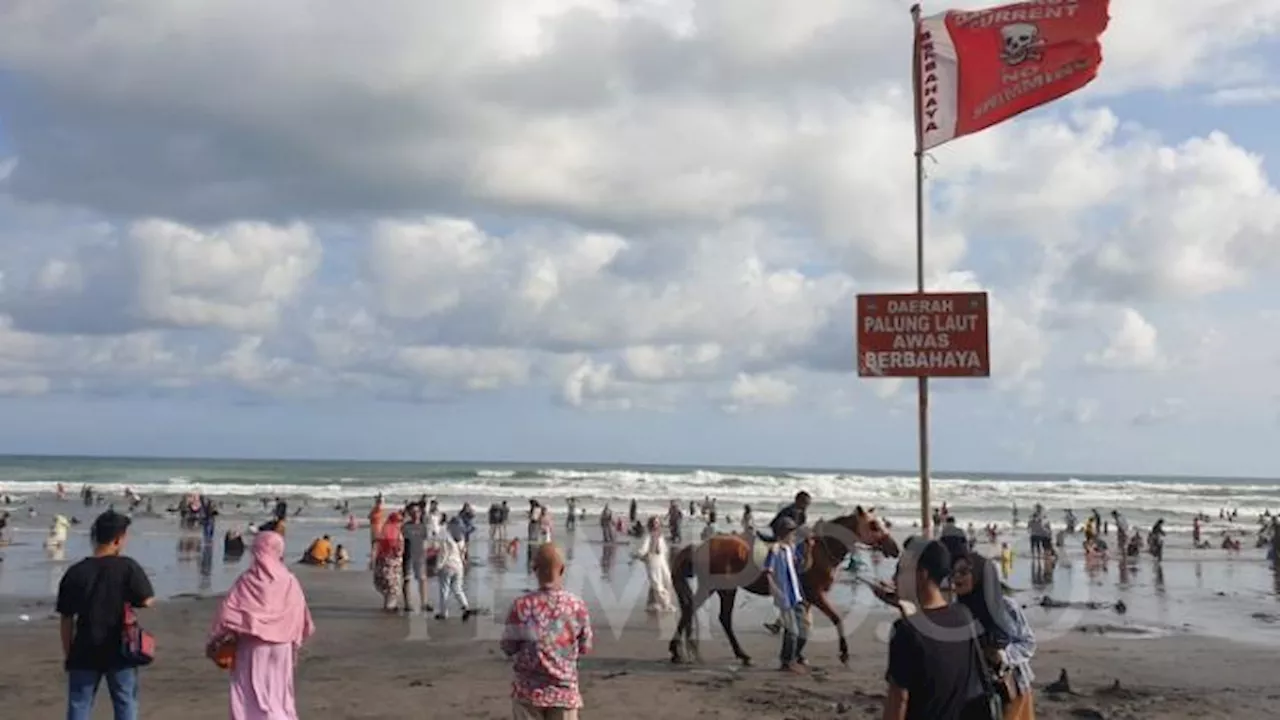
(676, 646)
(690, 629)
(688, 608)
(824, 605)
(726, 621)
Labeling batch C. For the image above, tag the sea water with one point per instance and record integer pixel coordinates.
(1208, 591)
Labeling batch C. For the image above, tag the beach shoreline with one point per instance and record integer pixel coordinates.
(365, 664)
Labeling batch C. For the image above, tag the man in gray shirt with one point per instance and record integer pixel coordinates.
(415, 556)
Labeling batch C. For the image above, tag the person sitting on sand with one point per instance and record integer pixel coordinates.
(1095, 549)
(1230, 544)
(340, 556)
(547, 630)
(261, 623)
(1135, 545)
(232, 545)
(319, 552)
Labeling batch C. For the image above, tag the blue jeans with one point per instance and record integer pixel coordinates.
(794, 635)
(82, 688)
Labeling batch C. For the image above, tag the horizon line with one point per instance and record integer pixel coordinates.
(481, 464)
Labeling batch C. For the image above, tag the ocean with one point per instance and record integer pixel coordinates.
(1209, 591)
(977, 497)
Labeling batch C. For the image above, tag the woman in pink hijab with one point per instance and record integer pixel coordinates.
(266, 615)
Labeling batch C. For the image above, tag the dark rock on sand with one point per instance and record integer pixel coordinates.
(1061, 686)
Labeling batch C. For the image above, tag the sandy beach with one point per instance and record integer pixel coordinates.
(364, 664)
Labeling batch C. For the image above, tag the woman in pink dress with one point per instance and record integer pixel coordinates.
(265, 614)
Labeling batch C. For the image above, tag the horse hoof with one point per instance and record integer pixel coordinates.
(844, 660)
(746, 661)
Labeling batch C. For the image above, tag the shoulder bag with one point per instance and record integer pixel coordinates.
(137, 646)
(989, 703)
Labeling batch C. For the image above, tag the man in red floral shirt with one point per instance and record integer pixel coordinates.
(546, 632)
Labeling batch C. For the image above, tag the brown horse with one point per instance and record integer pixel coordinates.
(724, 565)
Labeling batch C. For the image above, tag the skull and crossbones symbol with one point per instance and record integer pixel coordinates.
(1022, 42)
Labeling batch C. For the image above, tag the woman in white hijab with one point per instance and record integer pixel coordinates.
(653, 552)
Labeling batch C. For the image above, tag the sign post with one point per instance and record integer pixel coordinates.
(970, 70)
(923, 335)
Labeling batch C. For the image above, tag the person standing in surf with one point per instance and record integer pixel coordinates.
(376, 519)
(652, 551)
(674, 516)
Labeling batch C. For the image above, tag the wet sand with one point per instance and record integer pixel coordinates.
(1202, 592)
(1198, 639)
(364, 664)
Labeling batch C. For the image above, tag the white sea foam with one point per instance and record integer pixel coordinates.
(975, 498)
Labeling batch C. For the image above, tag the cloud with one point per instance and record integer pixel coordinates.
(1082, 412)
(609, 205)
(1245, 95)
(160, 274)
(1132, 344)
(1164, 411)
(748, 391)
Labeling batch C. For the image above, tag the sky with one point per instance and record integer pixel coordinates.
(622, 231)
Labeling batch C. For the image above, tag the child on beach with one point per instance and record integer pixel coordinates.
(1006, 559)
(546, 631)
(784, 584)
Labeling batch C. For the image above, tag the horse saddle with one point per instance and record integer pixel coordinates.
(760, 552)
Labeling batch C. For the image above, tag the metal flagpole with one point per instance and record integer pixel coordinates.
(922, 383)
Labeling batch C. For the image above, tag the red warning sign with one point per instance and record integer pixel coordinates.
(923, 335)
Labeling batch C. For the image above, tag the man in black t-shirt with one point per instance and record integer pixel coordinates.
(933, 673)
(91, 600)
